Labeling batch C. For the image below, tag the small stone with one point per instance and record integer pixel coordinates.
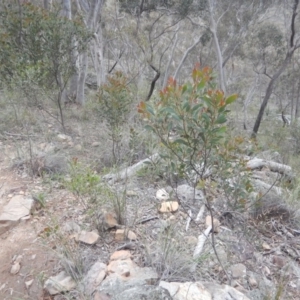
(252, 282)
(279, 261)
(131, 193)
(162, 195)
(64, 138)
(78, 147)
(122, 234)
(238, 271)
(216, 223)
(18, 259)
(169, 206)
(110, 220)
(266, 246)
(96, 144)
(266, 271)
(28, 283)
(15, 268)
(89, 238)
(120, 255)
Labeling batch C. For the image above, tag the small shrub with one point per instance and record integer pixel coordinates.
(115, 101)
(83, 183)
(189, 121)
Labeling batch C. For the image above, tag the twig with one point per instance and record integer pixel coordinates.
(129, 246)
(213, 237)
(18, 134)
(147, 219)
(188, 220)
(201, 241)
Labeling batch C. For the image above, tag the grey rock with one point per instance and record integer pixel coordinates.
(255, 295)
(17, 208)
(71, 226)
(146, 292)
(94, 277)
(125, 274)
(186, 193)
(56, 164)
(50, 164)
(238, 271)
(265, 286)
(171, 287)
(203, 291)
(221, 292)
(59, 283)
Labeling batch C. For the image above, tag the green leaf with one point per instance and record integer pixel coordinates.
(201, 85)
(221, 119)
(181, 141)
(231, 99)
(186, 106)
(207, 100)
(149, 128)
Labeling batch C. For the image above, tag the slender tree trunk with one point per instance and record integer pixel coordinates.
(213, 30)
(98, 49)
(297, 102)
(153, 82)
(48, 4)
(185, 56)
(94, 9)
(170, 60)
(269, 93)
(67, 12)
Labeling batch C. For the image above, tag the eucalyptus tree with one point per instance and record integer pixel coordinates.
(36, 47)
(292, 45)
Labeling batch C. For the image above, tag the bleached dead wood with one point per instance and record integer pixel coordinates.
(200, 213)
(130, 171)
(266, 187)
(201, 241)
(188, 220)
(258, 163)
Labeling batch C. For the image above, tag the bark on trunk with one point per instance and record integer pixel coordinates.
(47, 4)
(94, 9)
(213, 30)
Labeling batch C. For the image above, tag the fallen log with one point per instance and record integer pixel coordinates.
(130, 171)
(258, 163)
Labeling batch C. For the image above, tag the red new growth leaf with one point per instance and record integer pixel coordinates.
(141, 107)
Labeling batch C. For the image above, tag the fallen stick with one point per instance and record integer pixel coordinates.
(188, 220)
(130, 171)
(201, 241)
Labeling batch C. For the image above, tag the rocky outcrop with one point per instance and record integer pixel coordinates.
(19, 207)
